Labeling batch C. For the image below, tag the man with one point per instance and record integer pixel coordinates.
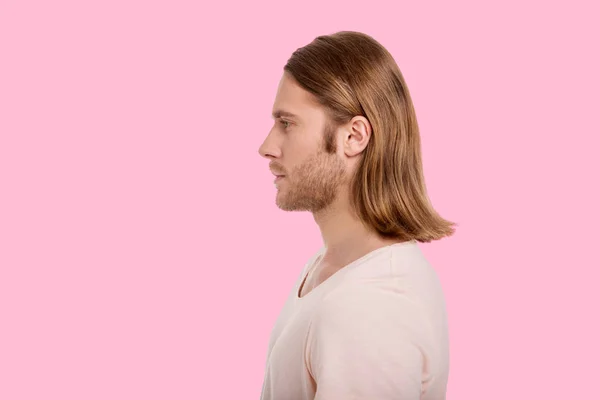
(366, 318)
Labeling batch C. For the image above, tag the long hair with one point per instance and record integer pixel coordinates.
(350, 74)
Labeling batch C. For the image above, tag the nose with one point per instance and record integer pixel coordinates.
(269, 148)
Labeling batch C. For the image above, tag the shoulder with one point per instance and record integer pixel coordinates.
(368, 307)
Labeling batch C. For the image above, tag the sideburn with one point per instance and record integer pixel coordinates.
(329, 139)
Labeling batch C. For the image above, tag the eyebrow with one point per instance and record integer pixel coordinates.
(282, 113)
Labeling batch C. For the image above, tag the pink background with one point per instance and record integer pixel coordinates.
(141, 252)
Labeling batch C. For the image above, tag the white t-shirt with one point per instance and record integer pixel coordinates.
(376, 329)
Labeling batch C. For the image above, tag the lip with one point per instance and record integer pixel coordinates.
(279, 177)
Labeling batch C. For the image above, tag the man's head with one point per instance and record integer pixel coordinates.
(344, 119)
(308, 151)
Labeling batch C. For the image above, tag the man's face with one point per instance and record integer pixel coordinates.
(302, 149)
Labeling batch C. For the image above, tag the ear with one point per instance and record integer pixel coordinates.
(357, 133)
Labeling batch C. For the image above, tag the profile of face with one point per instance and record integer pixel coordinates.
(302, 149)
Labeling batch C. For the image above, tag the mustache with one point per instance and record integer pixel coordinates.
(276, 169)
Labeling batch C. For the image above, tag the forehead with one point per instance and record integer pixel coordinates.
(291, 100)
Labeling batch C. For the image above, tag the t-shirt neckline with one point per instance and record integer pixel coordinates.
(337, 273)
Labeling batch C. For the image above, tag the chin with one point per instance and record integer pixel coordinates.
(284, 205)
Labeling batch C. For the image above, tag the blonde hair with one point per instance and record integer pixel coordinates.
(350, 73)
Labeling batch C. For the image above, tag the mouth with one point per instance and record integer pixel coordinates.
(278, 178)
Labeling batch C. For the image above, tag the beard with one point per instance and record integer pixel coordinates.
(313, 185)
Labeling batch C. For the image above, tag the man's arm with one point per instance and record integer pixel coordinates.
(362, 345)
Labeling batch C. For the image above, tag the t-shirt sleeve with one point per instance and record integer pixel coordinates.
(362, 345)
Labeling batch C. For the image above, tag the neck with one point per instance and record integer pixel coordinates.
(345, 237)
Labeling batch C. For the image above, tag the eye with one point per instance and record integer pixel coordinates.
(286, 124)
